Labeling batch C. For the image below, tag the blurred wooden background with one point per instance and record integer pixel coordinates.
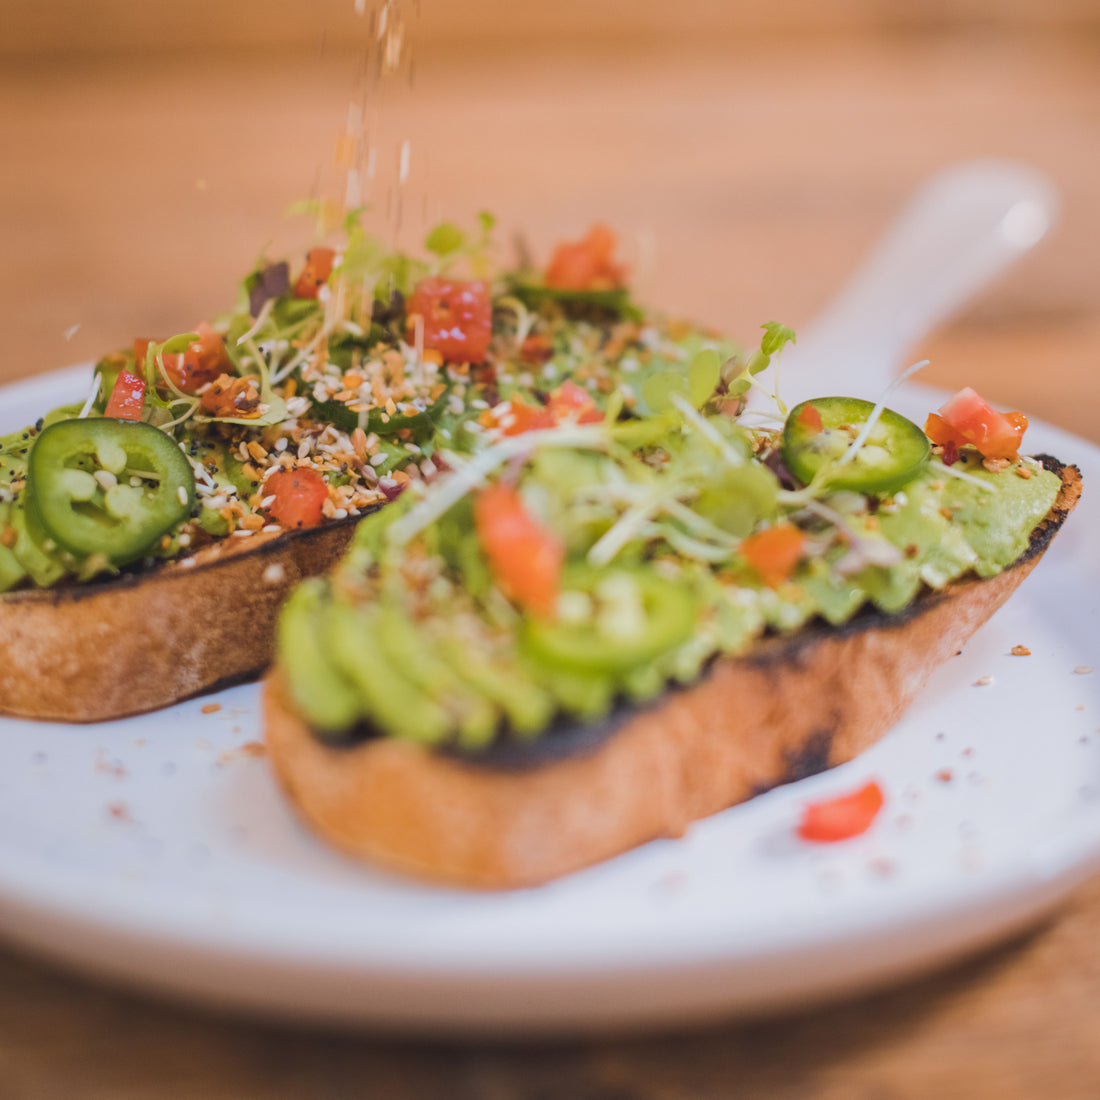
(147, 152)
(760, 147)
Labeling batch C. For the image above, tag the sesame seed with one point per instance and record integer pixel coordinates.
(378, 459)
(274, 573)
(281, 444)
(181, 492)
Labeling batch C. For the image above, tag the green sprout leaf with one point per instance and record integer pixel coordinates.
(703, 376)
(657, 390)
(445, 239)
(776, 337)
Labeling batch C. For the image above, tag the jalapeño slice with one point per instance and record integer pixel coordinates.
(820, 432)
(110, 487)
(636, 616)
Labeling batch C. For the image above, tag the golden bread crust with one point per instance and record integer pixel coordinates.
(85, 653)
(790, 707)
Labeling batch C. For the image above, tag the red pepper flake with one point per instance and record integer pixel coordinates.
(843, 817)
(119, 811)
(950, 453)
(945, 775)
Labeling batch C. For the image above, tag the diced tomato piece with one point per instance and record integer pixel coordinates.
(810, 418)
(525, 558)
(570, 401)
(127, 397)
(967, 418)
(300, 497)
(842, 818)
(526, 418)
(202, 362)
(587, 264)
(457, 315)
(318, 268)
(774, 552)
(232, 396)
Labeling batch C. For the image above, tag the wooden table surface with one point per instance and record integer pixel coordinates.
(134, 194)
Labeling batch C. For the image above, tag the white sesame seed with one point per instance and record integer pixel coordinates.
(181, 492)
(304, 448)
(186, 563)
(281, 444)
(412, 448)
(242, 533)
(274, 573)
(267, 502)
(271, 528)
(378, 459)
(340, 513)
(477, 403)
(185, 539)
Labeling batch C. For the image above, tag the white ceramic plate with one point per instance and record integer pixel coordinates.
(158, 851)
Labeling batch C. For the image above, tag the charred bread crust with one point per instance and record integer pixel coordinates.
(792, 706)
(140, 641)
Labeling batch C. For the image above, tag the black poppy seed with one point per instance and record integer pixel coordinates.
(39, 424)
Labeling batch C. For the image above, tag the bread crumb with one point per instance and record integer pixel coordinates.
(1020, 651)
(211, 708)
(984, 681)
(1082, 670)
(253, 748)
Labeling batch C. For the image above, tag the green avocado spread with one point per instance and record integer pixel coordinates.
(600, 556)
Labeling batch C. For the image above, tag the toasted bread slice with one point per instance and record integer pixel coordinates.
(140, 641)
(792, 706)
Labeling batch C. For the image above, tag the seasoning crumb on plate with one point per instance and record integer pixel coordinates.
(1020, 651)
(984, 681)
(1082, 670)
(211, 708)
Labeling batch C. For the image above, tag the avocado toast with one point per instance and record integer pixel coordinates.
(148, 535)
(601, 628)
